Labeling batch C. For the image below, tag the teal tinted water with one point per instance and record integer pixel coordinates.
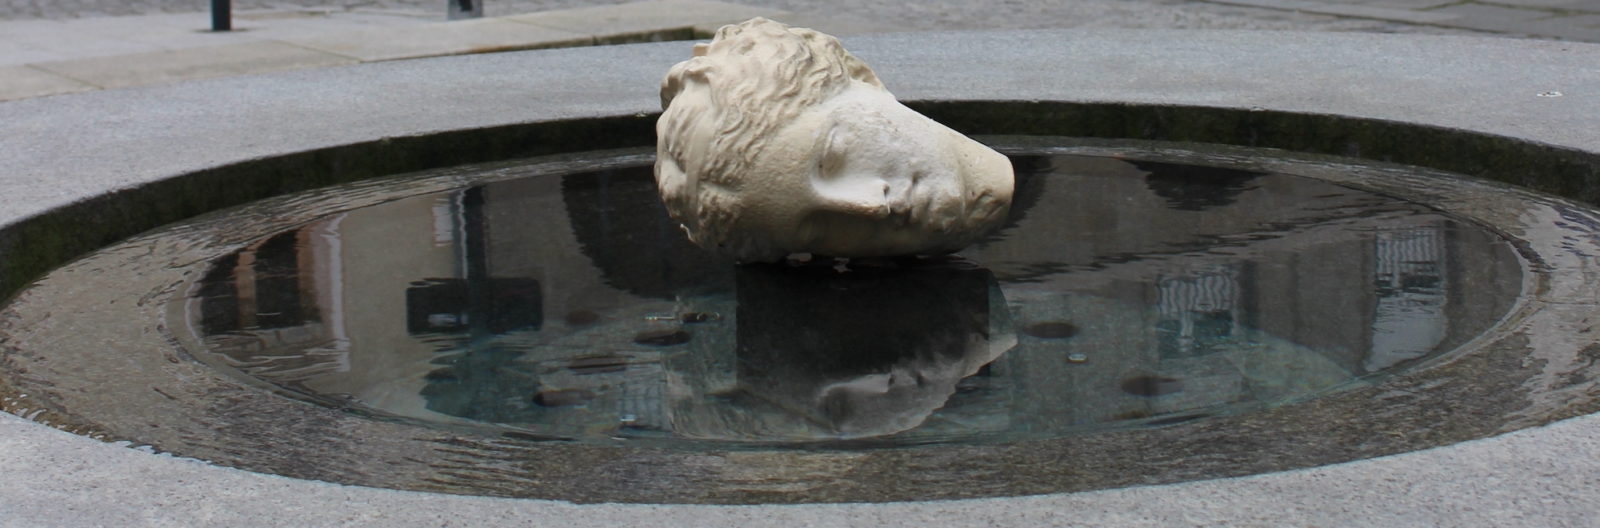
(1120, 294)
(536, 328)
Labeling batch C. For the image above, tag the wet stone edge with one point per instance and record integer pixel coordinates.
(1034, 467)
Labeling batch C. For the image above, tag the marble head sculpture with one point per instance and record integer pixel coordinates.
(776, 141)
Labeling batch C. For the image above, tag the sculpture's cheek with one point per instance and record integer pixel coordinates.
(830, 232)
(987, 181)
(885, 165)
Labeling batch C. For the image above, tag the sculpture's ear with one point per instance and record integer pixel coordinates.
(680, 76)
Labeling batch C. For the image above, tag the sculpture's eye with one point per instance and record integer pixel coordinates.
(832, 161)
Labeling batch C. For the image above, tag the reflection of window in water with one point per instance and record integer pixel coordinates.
(1199, 311)
(446, 219)
(1409, 321)
(449, 305)
(643, 402)
(464, 316)
(273, 309)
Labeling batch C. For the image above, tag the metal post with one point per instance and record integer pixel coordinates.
(222, 15)
(458, 9)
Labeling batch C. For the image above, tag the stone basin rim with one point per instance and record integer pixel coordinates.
(146, 206)
(1579, 152)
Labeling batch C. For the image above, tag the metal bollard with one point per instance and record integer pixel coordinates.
(222, 15)
(459, 9)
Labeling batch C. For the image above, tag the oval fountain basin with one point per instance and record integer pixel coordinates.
(539, 328)
(1122, 293)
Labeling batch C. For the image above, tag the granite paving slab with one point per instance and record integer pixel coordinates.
(445, 38)
(1512, 20)
(638, 21)
(1351, 10)
(1405, 4)
(192, 63)
(23, 42)
(23, 82)
(832, 25)
(1553, 4)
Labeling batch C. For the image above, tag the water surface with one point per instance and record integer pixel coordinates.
(1120, 294)
(1150, 313)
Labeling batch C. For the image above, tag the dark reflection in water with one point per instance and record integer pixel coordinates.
(1119, 293)
(1195, 188)
(871, 352)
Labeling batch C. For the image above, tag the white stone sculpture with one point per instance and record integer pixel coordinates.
(776, 141)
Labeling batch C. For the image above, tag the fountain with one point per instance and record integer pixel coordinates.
(1201, 129)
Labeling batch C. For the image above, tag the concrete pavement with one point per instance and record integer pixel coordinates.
(49, 48)
(48, 57)
(1554, 19)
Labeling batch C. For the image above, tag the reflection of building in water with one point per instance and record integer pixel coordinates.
(1410, 319)
(1198, 311)
(331, 317)
(1252, 294)
(447, 298)
(275, 308)
(1173, 297)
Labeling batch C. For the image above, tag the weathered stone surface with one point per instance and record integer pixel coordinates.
(776, 141)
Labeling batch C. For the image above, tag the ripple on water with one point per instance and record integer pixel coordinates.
(541, 329)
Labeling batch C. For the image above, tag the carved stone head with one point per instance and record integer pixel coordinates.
(775, 140)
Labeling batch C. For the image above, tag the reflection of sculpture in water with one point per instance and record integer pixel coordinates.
(803, 353)
(775, 140)
(868, 353)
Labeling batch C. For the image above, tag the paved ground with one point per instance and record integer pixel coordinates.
(50, 47)
(1546, 476)
(62, 46)
(1565, 19)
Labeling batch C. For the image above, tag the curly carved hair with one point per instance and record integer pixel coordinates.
(759, 75)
